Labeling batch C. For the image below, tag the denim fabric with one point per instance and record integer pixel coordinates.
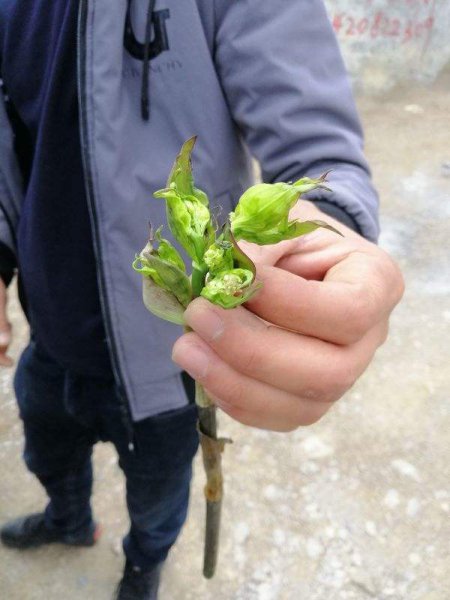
(64, 415)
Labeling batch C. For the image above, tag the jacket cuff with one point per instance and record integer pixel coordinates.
(7, 264)
(353, 193)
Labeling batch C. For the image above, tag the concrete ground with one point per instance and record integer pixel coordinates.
(355, 507)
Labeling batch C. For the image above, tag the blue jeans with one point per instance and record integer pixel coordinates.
(65, 415)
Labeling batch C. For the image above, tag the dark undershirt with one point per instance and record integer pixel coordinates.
(55, 249)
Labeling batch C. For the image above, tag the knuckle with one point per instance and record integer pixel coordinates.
(332, 384)
(391, 274)
(250, 361)
(357, 316)
(398, 286)
(361, 314)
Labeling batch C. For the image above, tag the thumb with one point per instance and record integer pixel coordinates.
(5, 328)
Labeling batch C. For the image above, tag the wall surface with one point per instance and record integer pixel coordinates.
(387, 42)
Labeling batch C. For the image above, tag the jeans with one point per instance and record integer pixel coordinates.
(64, 415)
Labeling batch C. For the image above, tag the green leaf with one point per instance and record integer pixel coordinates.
(187, 206)
(189, 221)
(166, 251)
(240, 259)
(181, 173)
(305, 184)
(298, 228)
(219, 256)
(230, 288)
(165, 275)
(262, 213)
(161, 302)
(262, 207)
(201, 196)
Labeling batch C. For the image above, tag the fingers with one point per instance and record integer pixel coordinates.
(245, 399)
(325, 286)
(357, 292)
(318, 253)
(320, 238)
(299, 365)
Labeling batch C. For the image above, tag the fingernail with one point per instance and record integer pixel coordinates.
(204, 321)
(192, 359)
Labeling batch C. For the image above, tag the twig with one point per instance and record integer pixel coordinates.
(212, 448)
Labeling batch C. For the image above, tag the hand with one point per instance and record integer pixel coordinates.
(5, 329)
(282, 360)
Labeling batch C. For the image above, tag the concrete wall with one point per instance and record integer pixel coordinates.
(386, 42)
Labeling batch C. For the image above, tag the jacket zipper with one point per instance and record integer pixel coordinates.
(84, 137)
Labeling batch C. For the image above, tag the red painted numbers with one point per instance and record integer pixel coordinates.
(381, 25)
(337, 22)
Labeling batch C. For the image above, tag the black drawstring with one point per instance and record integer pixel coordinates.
(145, 95)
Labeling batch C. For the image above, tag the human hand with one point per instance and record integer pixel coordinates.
(282, 360)
(5, 328)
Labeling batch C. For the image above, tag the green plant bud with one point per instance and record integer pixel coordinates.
(166, 290)
(166, 287)
(181, 173)
(230, 288)
(293, 230)
(168, 252)
(201, 196)
(189, 221)
(219, 257)
(262, 213)
(162, 303)
(240, 259)
(166, 275)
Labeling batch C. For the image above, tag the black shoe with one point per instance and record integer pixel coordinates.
(30, 532)
(137, 584)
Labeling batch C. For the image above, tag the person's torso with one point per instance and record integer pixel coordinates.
(127, 158)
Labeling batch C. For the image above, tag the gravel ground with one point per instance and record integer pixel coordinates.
(354, 507)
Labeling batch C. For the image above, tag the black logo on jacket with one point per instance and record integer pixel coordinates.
(158, 44)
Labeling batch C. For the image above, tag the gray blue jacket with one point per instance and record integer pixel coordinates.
(251, 79)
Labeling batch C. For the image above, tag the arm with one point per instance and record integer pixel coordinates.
(287, 88)
(325, 305)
